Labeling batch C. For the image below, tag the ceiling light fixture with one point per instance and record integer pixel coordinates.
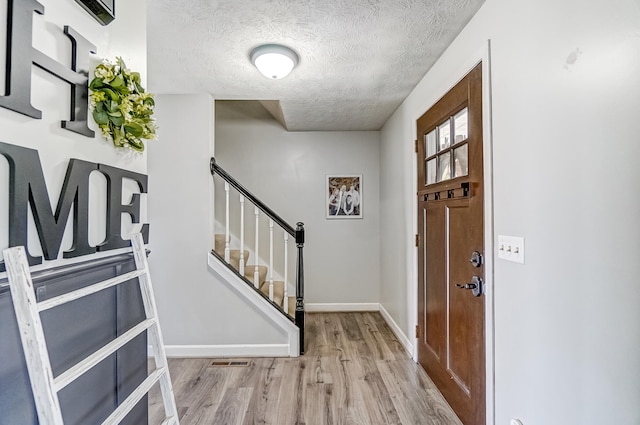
(273, 60)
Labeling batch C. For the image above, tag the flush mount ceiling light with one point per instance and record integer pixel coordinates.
(273, 60)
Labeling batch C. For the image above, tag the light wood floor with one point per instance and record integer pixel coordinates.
(354, 372)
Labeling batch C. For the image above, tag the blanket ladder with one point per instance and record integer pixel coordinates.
(44, 385)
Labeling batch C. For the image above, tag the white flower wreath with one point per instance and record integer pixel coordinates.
(121, 107)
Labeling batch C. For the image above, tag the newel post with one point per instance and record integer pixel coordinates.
(299, 317)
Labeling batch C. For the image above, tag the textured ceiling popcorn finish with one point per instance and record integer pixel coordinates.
(359, 59)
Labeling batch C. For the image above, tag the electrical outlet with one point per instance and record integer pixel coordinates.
(511, 248)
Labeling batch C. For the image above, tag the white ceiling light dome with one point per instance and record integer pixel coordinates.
(274, 61)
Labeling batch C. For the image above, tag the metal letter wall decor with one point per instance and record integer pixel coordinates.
(27, 187)
(21, 55)
(115, 208)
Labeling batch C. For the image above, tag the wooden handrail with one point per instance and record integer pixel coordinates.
(216, 169)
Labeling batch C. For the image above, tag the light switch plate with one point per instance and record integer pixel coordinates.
(511, 248)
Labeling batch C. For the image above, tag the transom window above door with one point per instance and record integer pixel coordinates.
(447, 153)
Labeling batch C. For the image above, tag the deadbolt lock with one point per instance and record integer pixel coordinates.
(476, 259)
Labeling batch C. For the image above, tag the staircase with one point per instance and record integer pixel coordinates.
(230, 258)
(249, 274)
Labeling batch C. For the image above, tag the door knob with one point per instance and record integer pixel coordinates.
(476, 286)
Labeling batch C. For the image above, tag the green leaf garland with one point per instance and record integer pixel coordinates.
(121, 107)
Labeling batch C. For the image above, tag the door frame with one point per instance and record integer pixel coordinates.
(481, 55)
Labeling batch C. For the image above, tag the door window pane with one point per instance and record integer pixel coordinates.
(461, 161)
(447, 149)
(444, 133)
(431, 170)
(444, 166)
(461, 125)
(430, 141)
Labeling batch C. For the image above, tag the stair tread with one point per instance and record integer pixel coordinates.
(234, 254)
(234, 257)
(249, 272)
(278, 291)
(278, 285)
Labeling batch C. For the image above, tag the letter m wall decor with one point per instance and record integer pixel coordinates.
(28, 189)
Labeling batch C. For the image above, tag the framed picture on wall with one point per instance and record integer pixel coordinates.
(343, 196)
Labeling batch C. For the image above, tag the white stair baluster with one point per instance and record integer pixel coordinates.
(242, 260)
(256, 274)
(285, 305)
(227, 236)
(271, 260)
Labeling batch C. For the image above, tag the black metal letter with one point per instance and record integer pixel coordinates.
(115, 208)
(75, 189)
(27, 186)
(79, 91)
(19, 57)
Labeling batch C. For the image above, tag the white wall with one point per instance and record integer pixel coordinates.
(195, 308)
(287, 170)
(566, 101)
(126, 37)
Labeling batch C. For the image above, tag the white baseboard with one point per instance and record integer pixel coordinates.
(283, 350)
(236, 350)
(345, 307)
(406, 343)
(340, 307)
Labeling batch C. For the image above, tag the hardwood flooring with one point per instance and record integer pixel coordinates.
(354, 372)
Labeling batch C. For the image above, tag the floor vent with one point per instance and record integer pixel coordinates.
(230, 363)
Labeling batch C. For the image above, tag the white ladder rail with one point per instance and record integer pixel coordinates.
(70, 375)
(32, 336)
(83, 292)
(154, 334)
(125, 407)
(45, 387)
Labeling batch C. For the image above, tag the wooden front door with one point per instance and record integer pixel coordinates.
(451, 227)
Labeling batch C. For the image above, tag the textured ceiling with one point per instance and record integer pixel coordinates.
(359, 59)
